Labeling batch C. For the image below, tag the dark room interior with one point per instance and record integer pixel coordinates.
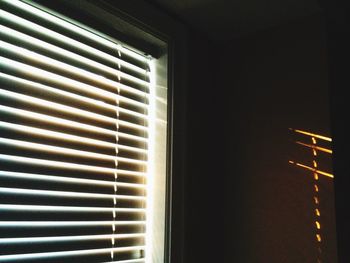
(251, 72)
(257, 68)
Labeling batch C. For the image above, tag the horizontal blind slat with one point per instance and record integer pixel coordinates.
(68, 55)
(89, 64)
(75, 209)
(67, 151)
(67, 253)
(71, 180)
(59, 38)
(65, 136)
(69, 123)
(66, 165)
(22, 191)
(61, 22)
(31, 85)
(74, 110)
(33, 224)
(67, 109)
(23, 54)
(71, 83)
(128, 261)
(30, 240)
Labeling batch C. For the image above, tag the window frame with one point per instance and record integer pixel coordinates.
(141, 25)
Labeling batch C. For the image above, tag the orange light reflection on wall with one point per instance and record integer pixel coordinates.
(312, 134)
(317, 212)
(316, 187)
(312, 169)
(316, 200)
(314, 148)
(318, 225)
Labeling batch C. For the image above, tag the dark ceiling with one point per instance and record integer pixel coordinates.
(223, 19)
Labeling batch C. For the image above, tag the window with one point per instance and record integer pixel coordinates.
(83, 143)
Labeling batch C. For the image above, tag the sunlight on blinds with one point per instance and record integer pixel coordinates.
(77, 124)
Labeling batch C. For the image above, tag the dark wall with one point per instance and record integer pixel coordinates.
(338, 31)
(206, 157)
(270, 82)
(245, 202)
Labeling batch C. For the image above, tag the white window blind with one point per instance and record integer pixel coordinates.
(76, 120)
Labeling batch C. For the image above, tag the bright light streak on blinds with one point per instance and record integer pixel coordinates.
(67, 54)
(33, 224)
(41, 177)
(68, 208)
(71, 27)
(65, 238)
(150, 175)
(60, 80)
(77, 120)
(68, 123)
(30, 26)
(54, 149)
(127, 261)
(64, 136)
(26, 54)
(21, 191)
(67, 109)
(30, 85)
(53, 255)
(66, 165)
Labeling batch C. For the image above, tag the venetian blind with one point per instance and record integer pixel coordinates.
(74, 108)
